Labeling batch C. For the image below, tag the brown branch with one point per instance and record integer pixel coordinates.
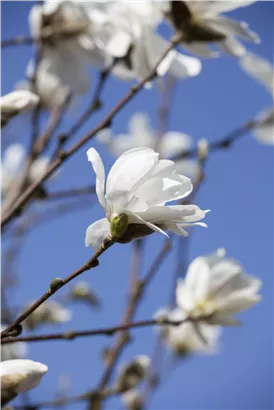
(57, 284)
(108, 331)
(222, 143)
(25, 197)
(70, 193)
(137, 293)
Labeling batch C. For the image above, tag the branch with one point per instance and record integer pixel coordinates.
(70, 193)
(223, 143)
(25, 197)
(108, 331)
(55, 285)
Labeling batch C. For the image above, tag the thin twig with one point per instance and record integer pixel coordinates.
(25, 197)
(108, 331)
(70, 193)
(57, 284)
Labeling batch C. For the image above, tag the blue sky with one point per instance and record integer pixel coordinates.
(238, 190)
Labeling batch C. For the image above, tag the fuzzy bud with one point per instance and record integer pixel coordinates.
(133, 373)
(118, 226)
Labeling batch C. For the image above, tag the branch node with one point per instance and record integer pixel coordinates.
(56, 284)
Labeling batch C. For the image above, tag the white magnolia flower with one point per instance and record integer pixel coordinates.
(50, 312)
(262, 71)
(142, 134)
(132, 373)
(12, 165)
(188, 337)
(137, 189)
(63, 67)
(18, 376)
(13, 350)
(217, 287)
(200, 23)
(16, 102)
(127, 33)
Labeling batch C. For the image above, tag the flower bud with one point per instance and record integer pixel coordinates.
(133, 373)
(132, 400)
(18, 376)
(118, 225)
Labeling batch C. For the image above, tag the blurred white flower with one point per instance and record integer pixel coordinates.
(16, 102)
(132, 373)
(50, 312)
(188, 337)
(127, 33)
(142, 135)
(217, 287)
(81, 291)
(262, 71)
(200, 23)
(12, 165)
(137, 189)
(13, 350)
(63, 67)
(18, 376)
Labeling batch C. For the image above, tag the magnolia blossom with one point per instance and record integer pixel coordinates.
(188, 337)
(215, 288)
(12, 165)
(142, 134)
(130, 35)
(13, 350)
(132, 373)
(50, 312)
(200, 23)
(16, 102)
(18, 376)
(137, 189)
(67, 50)
(262, 71)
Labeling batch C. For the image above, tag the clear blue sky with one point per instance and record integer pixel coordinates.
(239, 192)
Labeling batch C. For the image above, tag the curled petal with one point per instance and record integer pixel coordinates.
(99, 170)
(96, 233)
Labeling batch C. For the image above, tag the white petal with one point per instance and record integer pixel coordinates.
(188, 167)
(131, 169)
(173, 142)
(174, 213)
(22, 375)
(96, 233)
(183, 66)
(232, 47)
(234, 27)
(201, 49)
(99, 170)
(134, 218)
(258, 68)
(264, 131)
(139, 127)
(13, 158)
(119, 44)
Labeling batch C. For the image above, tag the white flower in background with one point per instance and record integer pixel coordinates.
(81, 291)
(188, 337)
(16, 102)
(142, 135)
(217, 287)
(66, 53)
(201, 24)
(262, 71)
(132, 400)
(132, 373)
(12, 165)
(13, 350)
(50, 312)
(127, 33)
(19, 376)
(138, 187)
